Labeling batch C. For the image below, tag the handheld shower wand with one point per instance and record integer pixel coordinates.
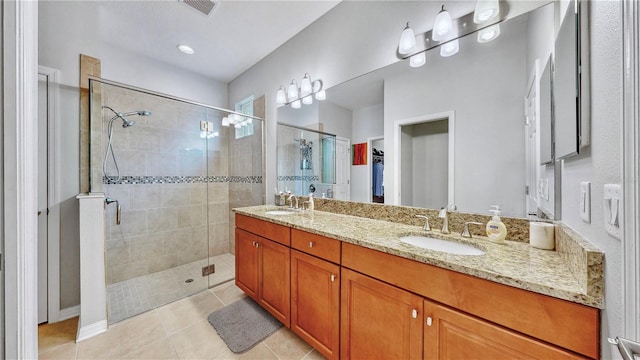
(125, 124)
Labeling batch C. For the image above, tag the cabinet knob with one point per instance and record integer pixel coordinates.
(310, 244)
(257, 244)
(333, 278)
(414, 314)
(429, 321)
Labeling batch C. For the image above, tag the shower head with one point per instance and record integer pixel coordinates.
(126, 122)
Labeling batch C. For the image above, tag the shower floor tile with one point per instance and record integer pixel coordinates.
(131, 297)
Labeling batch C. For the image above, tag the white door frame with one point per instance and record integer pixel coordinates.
(53, 200)
(19, 192)
(348, 170)
(370, 167)
(397, 130)
(631, 170)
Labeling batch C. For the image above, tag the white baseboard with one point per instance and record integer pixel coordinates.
(92, 330)
(69, 313)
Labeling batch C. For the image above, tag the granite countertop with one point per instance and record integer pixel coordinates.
(513, 263)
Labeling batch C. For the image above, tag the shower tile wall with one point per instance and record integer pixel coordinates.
(246, 159)
(166, 189)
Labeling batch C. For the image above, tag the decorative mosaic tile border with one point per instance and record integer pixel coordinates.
(299, 178)
(129, 180)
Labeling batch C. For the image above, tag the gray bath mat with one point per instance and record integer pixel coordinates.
(243, 324)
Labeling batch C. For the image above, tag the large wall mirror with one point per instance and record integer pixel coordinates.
(461, 131)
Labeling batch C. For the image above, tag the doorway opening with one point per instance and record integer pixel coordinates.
(424, 148)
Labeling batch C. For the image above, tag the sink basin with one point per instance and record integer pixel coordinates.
(450, 247)
(280, 212)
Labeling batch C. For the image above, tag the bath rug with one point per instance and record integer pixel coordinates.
(243, 324)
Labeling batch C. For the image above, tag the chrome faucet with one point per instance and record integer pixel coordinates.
(426, 226)
(465, 229)
(445, 221)
(290, 200)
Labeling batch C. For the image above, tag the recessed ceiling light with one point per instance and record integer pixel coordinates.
(186, 49)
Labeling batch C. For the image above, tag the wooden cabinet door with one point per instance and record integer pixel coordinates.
(275, 280)
(378, 321)
(315, 302)
(450, 334)
(247, 263)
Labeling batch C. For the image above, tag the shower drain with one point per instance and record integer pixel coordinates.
(188, 281)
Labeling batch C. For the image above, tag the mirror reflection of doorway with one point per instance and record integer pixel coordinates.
(377, 170)
(425, 162)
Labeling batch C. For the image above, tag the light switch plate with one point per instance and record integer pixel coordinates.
(585, 201)
(613, 210)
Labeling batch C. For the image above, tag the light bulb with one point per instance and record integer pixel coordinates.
(305, 85)
(186, 49)
(418, 60)
(407, 41)
(450, 48)
(321, 95)
(225, 121)
(237, 126)
(296, 104)
(292, 92)
(281, 98)
(307, 100)
(489, 33)
(485, 11)
(442, 25)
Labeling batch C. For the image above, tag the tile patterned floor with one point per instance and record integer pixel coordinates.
(135, 296)
(179, 330)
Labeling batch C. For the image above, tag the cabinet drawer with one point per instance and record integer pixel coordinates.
(271, 231)
(320, 246)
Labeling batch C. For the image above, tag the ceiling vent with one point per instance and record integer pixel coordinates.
(203, 6)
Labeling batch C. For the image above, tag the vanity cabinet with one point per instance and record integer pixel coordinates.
(315, 291)
(263, 266)
(349, 301)
(543, 327)
(379, 321)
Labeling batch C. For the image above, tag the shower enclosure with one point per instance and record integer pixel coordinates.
(171, 172)
(306, 161)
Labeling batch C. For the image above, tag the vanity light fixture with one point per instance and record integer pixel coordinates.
(485, 11)
(488, 34)
(236, 120)
(295, 96)
(186, 49)
(450, 48)
(407, 41)
(442, 26)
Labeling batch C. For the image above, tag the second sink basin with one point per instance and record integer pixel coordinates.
(446, 246)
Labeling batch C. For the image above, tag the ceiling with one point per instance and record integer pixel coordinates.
(227, 42)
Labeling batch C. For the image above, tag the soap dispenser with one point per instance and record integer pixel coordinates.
(496, 230)
(311, 205)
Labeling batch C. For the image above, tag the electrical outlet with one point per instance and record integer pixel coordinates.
(585, 201)
(613, 210)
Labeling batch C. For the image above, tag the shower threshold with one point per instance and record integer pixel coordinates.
(144, 293)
